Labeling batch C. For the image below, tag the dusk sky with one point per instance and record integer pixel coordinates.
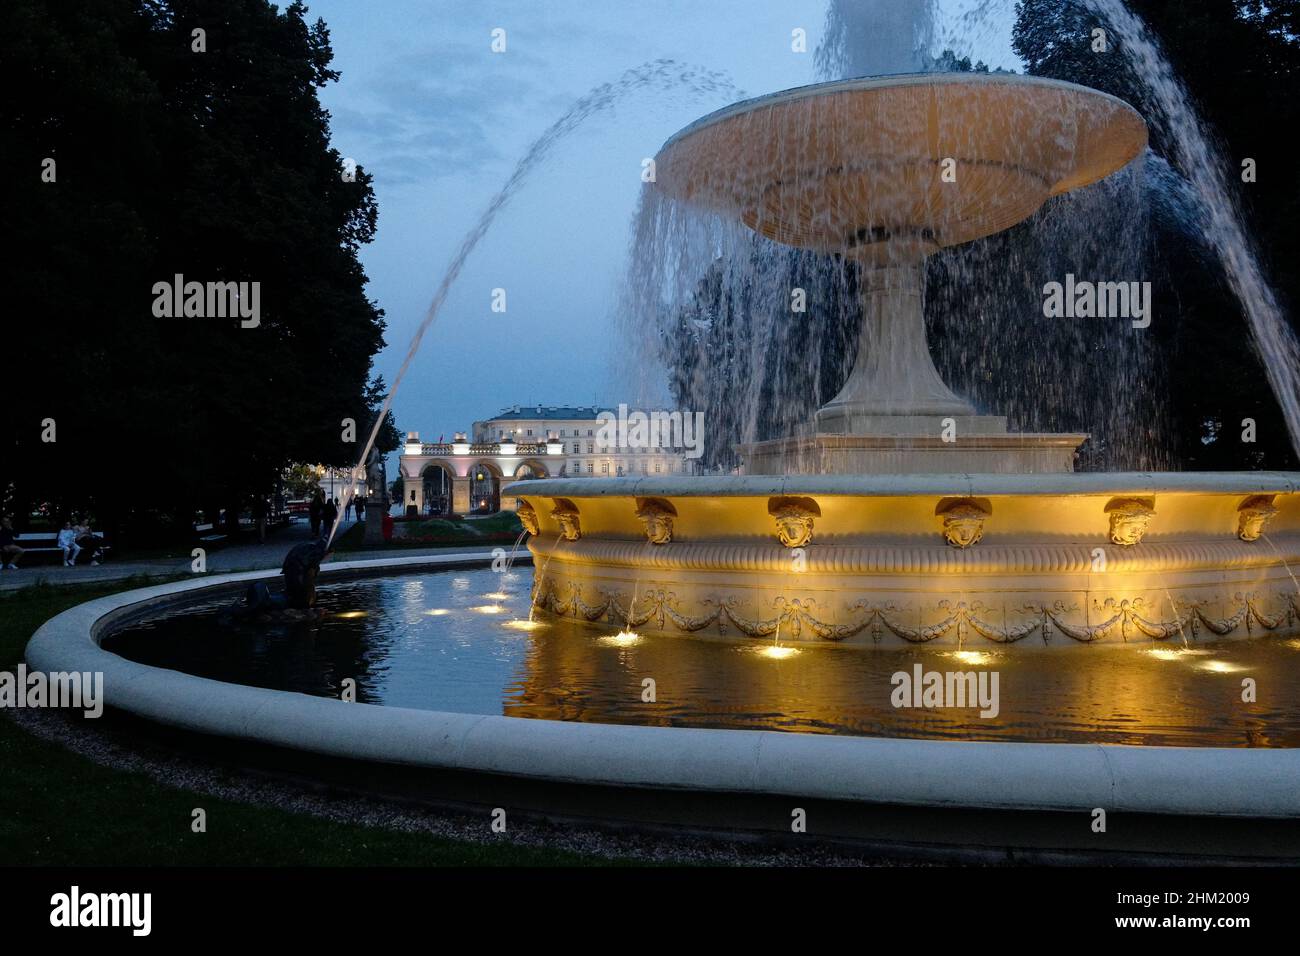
(440, 120)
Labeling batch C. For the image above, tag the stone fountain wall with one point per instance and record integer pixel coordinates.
(1055, 561)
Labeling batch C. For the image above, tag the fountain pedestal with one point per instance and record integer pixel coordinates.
(888, 171)
(895, 414)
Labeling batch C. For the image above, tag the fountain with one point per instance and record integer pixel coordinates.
(902, 514)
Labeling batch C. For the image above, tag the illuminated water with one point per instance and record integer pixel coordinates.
(425, 641)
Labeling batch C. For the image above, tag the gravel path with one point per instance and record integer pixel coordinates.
(112, 748)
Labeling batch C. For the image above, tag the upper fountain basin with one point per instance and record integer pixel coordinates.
(920, 160)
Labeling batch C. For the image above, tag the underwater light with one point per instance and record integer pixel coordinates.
(621, 639)
(523, 625)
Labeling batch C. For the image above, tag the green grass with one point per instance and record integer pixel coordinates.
(60, 809)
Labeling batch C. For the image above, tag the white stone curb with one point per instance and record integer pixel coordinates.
(1026, 776)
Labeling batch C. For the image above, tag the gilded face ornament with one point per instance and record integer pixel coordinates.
(794, 519)
(566, 513)
(1129, 518)
(528, 518)
(657, 517)
(1253, 516)
(963, 520)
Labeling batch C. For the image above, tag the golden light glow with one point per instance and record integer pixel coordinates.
(621, 639)
(1221, 667)
(488, 609)
(497, 596)
(1175, 653)
(972, 657)
(352, 614)
(778, 653)
(437, 611)
(523, 625)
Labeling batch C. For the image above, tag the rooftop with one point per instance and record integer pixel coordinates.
(551, 412)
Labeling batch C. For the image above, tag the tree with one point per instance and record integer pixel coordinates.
(212, 165)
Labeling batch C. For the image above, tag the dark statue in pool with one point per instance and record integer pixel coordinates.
(301, 565)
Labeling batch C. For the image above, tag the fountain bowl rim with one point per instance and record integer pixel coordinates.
(887, 81)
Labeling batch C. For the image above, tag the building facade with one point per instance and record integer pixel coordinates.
(465, 475)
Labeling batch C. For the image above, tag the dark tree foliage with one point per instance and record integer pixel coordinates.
(213, 165)
(1240, 61)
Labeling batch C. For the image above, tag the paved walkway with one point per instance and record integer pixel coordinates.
(244, 556)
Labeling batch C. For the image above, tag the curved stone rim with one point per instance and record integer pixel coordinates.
(888, 81)
(1219, 782)
(916, 486)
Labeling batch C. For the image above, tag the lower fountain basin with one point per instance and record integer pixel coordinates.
(1053, 560)
(1248, 770)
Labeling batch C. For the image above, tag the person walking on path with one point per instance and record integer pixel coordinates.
(314, 511)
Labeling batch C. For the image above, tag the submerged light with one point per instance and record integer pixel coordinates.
(621, 639)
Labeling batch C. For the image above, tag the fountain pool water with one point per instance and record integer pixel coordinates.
(420, 641)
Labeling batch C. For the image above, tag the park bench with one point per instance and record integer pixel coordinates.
(41, 543)
(208, 533)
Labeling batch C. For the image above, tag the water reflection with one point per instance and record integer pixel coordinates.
(443, 653)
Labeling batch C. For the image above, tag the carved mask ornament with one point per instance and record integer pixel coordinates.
(794, 519)
(1129, 518)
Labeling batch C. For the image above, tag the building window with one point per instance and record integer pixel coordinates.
(604, 467)
(591, 467)
(530, 431)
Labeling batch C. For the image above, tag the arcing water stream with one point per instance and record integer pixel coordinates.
(667, 74)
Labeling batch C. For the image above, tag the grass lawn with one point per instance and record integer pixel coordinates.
(498, 530)
(60, 809)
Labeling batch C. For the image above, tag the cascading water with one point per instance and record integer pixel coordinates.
(759, 335)
(712, 301)
(670, 76)
(1203, 166)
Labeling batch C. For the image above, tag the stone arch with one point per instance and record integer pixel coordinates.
(485, 487)
(531, 468)
(436, 479)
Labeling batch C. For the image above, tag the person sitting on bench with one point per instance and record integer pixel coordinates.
(87, 540)
(68, 544)
(9, 551)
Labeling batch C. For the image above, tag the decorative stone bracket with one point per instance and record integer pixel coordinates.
(963, 519)
(1129, 518)
(566, 513)
(794, 519)
(1253, 516)
(657, 515)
